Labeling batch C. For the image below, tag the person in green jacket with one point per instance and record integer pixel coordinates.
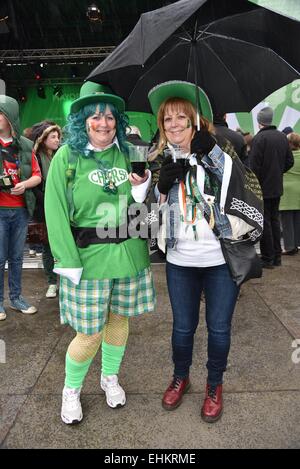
(105, 275)
(290, 200)
(19, 173)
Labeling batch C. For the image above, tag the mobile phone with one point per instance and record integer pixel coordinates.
(6, 182)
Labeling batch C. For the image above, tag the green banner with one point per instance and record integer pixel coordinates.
(290, 8)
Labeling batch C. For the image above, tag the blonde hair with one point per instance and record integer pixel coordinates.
(177, 105)
(294, 140)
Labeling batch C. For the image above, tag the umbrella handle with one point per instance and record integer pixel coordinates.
(198, 120)
(198, 103)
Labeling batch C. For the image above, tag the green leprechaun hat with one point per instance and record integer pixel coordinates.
(180, 89)
(95, 93)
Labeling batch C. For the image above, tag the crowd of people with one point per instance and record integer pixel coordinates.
(211, 184)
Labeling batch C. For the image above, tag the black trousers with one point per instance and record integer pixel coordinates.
(270, 242)
(290, 220)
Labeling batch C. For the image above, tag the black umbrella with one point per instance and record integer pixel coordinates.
(152, 29)
(236, 74)
(264, 28)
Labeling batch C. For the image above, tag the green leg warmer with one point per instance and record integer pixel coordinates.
(76, 371)
(111, 358)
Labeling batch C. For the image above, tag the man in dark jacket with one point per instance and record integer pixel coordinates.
(270, 157)
(235, 138)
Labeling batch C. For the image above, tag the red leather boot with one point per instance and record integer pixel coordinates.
(173, 396)
(213, 404)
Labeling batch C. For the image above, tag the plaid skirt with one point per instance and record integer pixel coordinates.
(85, 306)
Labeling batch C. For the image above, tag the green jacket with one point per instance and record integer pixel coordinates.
(290, 199)
(10, 108)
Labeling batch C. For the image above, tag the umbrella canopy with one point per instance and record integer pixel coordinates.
(235, 74)
(264, 28)
(152, 29)
(150, 32)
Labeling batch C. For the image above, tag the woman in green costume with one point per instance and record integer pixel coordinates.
(105, 274)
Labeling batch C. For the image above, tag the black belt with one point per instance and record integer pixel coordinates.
(85, 236)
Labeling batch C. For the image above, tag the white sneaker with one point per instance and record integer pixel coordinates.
(52, 291)
(2, 316)
(71, 411)
(115, 394)
(32, 252)
(39, 254)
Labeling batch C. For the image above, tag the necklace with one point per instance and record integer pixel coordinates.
(189, 205)
(192, 200)
(205, 205)
(109, 185)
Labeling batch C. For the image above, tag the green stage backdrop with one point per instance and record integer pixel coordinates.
(56, 108)
(285, 102)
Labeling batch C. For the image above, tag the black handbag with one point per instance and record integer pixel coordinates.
(242, 259)
(240, 255)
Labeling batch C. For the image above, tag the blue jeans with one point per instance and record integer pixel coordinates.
(13, 232)
(185, 285)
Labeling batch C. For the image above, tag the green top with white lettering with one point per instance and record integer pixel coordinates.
(93, 207)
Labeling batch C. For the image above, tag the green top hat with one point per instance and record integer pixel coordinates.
(94, 93)
(179, 89)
